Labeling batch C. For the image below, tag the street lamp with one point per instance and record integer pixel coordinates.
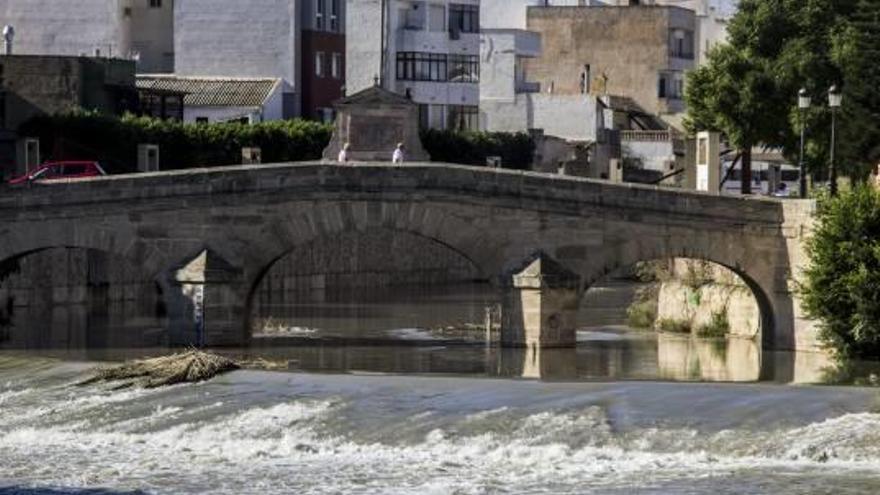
(835, 99)
(803, 106)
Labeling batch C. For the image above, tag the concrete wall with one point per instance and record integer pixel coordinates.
(570, 117)
(628, 44)
(363, 44)
(62, 27)
(653, 155)
(152, 34)
(258, 38)
(36, 85)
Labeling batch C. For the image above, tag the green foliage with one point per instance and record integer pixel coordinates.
(717, 327)
(671, 325)
(698, 273)
(651, 271)
(516, 150)
(841, 286)
(113, 141)
(641, 314)
(748, 89)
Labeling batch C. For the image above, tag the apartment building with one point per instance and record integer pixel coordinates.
(323, 57)
(425, 50)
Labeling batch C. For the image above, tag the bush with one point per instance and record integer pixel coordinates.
(642, 312)
(841, 285)
(671, 325)
(517, 150)
(113, 141)
(718, 326)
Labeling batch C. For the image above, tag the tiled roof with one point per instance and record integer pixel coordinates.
(212, 91)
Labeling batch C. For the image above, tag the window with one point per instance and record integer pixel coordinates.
(440, 67)
(334, 15)
(436, 18)
(670, 85)
(155, 4)
(463, 19)
(319, 64)
(463, 118)
(419, 66)
(464, 68)
(586, 78)
(75, 169)
(681, 43)
(336, 66)
(319, 14)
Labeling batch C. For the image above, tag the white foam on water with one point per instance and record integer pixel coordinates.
(294, 446)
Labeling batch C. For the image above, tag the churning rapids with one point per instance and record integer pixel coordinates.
(265, 432)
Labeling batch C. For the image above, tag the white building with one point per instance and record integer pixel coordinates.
(232, 38)
(428, 51)
(224, 99)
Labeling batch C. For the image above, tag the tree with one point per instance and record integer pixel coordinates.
(777, 47)
(841, 285)
(735, 94)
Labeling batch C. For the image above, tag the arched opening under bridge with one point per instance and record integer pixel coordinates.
(62, 297)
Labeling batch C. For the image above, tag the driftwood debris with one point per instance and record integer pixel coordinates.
(184, 367)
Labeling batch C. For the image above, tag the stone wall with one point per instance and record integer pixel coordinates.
(695, 298)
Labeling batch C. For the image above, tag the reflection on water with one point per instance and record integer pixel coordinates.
(438, 331)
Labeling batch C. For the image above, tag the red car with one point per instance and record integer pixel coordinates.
(60, 171)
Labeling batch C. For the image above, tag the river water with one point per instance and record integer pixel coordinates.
(374, 402)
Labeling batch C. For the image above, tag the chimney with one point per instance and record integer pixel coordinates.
(8, 36)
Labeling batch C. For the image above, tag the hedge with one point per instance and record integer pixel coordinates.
(516, 150)
(113, 141)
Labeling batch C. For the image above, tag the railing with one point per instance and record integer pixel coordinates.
(648, 136)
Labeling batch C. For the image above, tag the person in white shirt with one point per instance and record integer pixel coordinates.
(398, 156)
(343, 154)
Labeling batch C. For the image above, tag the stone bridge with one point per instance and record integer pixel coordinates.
(546, 238)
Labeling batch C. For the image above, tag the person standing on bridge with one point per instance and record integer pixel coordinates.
(343, 154)
(398, 155)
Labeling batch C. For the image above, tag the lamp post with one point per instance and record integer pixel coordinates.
(803, 106)
(835, 98)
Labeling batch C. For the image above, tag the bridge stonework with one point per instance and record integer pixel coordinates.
(232, 223)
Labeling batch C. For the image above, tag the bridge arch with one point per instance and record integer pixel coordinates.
(723, 253)
(88, 297)
(350, 260)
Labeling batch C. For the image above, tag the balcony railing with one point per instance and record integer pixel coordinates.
(648, 136)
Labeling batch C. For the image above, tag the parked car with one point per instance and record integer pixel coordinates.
(60, 171)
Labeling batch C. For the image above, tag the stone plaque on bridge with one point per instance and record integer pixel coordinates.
(373, 122)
